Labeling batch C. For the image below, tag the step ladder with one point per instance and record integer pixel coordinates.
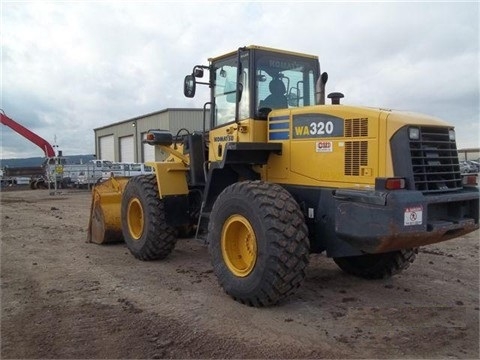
(202, 225)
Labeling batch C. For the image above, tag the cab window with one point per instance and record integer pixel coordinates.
(225, 91)
(283, 81)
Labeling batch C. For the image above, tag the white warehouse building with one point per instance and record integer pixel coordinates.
(123, 141)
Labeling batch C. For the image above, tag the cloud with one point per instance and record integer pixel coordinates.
(69, 67)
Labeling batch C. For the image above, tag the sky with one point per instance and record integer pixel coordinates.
(68, 67)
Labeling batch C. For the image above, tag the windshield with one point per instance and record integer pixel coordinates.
(284, 81)
(266, 80)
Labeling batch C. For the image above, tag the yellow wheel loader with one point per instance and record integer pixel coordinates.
(280, 175)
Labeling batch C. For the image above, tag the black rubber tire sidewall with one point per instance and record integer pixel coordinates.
(235, 285)
(158, 239)
(271, 279)
(377, 266)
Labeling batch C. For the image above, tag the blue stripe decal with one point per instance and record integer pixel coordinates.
(279, 118)
(276, 126)
(284, 135)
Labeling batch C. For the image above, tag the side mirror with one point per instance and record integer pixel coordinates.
(231, 90)
(240, 91)
(189, 86)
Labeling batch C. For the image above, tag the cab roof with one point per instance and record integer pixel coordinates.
(256, 47)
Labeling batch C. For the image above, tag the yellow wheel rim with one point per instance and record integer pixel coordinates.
(239, 245)
(135, 219)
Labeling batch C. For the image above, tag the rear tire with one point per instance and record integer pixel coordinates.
(377, 266)
(144, 228)
(258, 242)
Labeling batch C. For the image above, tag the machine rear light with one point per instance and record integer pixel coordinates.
(395, 183)
(470, 180)
(159, 137)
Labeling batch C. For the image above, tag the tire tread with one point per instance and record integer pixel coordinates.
(377, 266)
(282, 216)
(160, 239)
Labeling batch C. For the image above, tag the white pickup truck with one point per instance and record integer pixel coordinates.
(127, 169)
(92, 172)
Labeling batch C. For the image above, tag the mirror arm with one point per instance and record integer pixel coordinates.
(199, 67)
(202, 67)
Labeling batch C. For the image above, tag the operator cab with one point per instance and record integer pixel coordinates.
(251, 82)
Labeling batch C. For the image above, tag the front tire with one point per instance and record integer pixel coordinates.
(144, 228)
(377, 266)
(258, 242)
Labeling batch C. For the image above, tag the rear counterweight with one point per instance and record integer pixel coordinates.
(345, 222)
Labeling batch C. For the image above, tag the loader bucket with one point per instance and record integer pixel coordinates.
(105, 224)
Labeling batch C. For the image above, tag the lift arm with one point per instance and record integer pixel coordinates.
(34, 138)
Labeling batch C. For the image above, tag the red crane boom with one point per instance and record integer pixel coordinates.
(34, 138)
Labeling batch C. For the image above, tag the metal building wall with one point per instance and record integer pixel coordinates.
(118, 131)
(157, 120)
(167, 119)
(191, 119)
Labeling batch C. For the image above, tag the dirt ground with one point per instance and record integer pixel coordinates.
(62, 297)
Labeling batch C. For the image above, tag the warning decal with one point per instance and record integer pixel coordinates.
(324, 146)
(413, 216)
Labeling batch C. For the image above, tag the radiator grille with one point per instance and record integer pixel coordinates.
(435, 161)
(356, 155)
(356, 127)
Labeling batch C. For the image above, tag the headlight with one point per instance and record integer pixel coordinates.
(414, 133)
(451, 135)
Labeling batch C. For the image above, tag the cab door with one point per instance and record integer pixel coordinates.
(227, 79)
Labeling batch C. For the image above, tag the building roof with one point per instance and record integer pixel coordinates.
(146, 115)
